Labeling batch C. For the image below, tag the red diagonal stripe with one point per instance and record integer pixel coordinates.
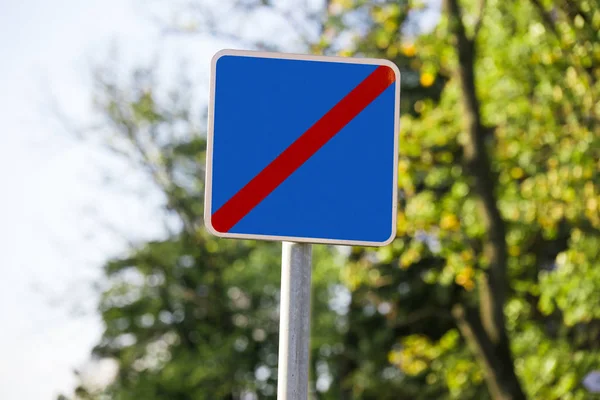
(302, 149)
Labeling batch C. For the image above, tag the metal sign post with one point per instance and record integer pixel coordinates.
(294, 321)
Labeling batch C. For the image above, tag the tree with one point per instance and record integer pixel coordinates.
(490, 289)
(466, 161)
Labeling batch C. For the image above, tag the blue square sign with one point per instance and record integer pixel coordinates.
(302, 148)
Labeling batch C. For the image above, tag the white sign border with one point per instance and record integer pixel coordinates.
(210, 133)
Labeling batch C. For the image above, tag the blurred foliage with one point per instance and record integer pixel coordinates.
(195, 317)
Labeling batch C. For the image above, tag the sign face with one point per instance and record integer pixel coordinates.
(302, 148)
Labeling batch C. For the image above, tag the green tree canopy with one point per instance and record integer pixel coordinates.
(491, 288)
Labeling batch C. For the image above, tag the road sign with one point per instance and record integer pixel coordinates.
(302, 148)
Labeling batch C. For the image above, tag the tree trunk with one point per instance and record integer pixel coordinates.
(485, 332)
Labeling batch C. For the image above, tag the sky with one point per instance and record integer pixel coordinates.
(59, 220)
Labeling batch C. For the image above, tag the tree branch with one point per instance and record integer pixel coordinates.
(502, 382)
(479, 20)
(470, 327)
(485, 333)
(479, 166)
(420, 315)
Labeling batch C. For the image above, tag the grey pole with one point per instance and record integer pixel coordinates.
(294, 321)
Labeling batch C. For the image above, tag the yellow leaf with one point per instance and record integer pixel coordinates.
(514, 251)
(557, 93)
(592, 204)
(466, 255)
(401, 223)
(588, 189)
(403, 166)
(409, 49)
(516, 173)
(394, 357)
(427, 79)
(409, 257)
(465, 278)
(469, 285)
(449, 222)
(557, 211)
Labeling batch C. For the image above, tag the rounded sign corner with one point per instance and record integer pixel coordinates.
(221, 53)
(209, 227)
(392, 65)
(388, 240)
